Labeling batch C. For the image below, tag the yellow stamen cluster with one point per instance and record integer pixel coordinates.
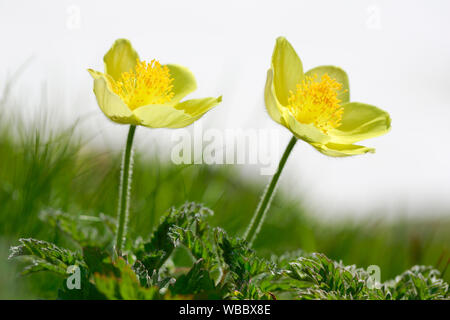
(149, 83)
(316, 102)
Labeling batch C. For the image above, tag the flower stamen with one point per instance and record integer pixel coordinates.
(317, 102)
(148, 83)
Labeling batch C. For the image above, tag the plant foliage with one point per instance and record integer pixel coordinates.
(220, 266)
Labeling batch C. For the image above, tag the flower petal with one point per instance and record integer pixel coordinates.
(110, 103)
(335, 73)
(272, 105)
(287, 68)
(182, 115)
(183, 82)
(161, 116)
(306, 132)
(120, 58)
(341, 150)
(198, 107)
(360, 121)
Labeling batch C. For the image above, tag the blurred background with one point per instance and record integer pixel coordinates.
(57, 150)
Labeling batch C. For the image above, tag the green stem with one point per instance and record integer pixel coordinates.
(264, 204)
(124, 191)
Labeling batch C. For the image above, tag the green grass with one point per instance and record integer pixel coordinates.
(47, 167)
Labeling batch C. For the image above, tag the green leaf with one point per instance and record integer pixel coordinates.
(197, 282)
(243, 267)
(45, 256)
(83, 230)
(125, 285)
(98, 261)
(157, 250)
(322, 278)
(419, 283)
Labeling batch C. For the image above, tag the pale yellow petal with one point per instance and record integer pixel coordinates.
(120, 58)
(342, 150)
(360, 121)
(110, 103)
(183, 82)
(287, 68)
(162, 116)
(306, 132)
(273, 107)
(198, 107)
(178, 116)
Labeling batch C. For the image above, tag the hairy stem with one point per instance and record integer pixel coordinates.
(264, 204)
(124, 191)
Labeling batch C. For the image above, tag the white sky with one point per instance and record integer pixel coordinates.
(397, 55)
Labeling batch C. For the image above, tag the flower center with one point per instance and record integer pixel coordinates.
(148, 83)
(316, 102)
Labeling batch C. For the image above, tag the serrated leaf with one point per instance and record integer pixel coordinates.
(157, 250)
(45, 256)
(197, 282)
(84, 230)
(125, 286)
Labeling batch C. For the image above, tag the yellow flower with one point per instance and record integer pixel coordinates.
(135, 92)
(315, 106)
